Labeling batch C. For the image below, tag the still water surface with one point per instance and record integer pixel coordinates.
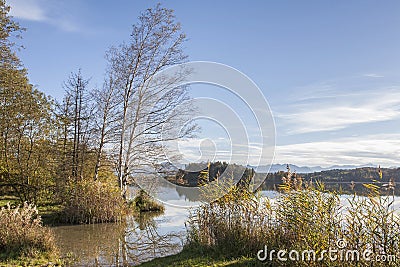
(140, 239)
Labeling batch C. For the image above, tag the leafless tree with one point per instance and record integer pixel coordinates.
(106, 117)
(77, 109)
(147, 112)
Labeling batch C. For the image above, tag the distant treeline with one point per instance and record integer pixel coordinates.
(196, 174)
(341, 181)
(344, 181)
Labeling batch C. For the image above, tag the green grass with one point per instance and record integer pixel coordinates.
(197, 258)
(50, 214)
(5, 199)
(42, 260)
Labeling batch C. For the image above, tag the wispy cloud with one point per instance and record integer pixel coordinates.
(342, 111)
(43, 11)
(377, 149)
(222, 149)
(28, 10)
(381, 149)
(373, 75)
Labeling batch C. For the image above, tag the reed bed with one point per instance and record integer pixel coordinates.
(22, 233)
(303, 217)
(92, 202)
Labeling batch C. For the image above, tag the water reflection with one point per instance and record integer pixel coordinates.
(141, 238)
(89, 244)
(143, 241)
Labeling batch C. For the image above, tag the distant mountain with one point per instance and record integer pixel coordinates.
(299, 169)
(282, 167)
(305, 169)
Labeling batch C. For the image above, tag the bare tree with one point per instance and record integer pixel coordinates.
(145, 111)
(107, 105)
(77, 120)
(63, 117)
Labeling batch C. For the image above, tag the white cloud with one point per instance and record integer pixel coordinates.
(328, 112)
(373, 75)
(43, 11)
(343, 111)
(27, 9)
(381, 149)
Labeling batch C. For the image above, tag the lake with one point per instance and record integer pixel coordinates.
(140, 238)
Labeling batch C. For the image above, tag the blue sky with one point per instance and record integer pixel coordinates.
(329, 69)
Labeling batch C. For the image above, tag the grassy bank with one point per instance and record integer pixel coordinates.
(25, 241)
(4, 200)
(192, 256)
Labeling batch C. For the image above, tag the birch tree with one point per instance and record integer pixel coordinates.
(145, 112)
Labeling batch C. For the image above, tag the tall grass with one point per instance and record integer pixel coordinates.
(22, 233)
(87, 201)
(302, 217)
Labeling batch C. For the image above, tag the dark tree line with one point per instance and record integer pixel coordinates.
(196, 174)
(344, 181)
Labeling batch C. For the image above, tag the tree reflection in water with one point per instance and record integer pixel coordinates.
(137, 240)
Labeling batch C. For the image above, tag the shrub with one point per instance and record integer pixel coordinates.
(88, 201)
(144, 203)
(22, 233)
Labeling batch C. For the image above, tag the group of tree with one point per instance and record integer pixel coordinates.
(112, 132)
(197, 174)
(25, 121)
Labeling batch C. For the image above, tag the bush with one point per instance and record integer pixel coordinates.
(22, 233)
(88, 201)
(144, 203)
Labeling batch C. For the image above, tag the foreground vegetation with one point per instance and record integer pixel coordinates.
(304, 217)
(24, 238)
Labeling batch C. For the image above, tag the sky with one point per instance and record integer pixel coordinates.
(328, 69)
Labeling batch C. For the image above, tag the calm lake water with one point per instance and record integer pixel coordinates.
(138, 240)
